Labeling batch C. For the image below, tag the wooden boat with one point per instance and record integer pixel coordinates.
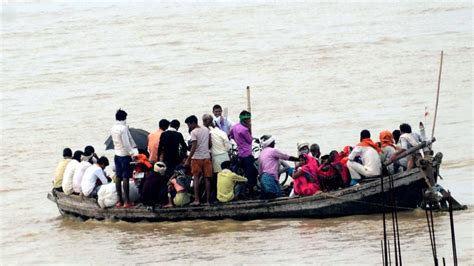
(408, 189)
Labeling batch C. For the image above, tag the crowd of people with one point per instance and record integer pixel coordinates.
(174, 172)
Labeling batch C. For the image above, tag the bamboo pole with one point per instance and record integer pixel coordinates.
(437, 95)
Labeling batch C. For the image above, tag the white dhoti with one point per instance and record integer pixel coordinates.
(357, 169)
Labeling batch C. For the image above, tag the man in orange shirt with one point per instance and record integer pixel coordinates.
(154, 140)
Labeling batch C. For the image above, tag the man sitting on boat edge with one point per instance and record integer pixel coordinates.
(94, 177)
(369, 154)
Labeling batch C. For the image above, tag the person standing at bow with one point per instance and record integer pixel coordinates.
(124, 148)
(241, 133)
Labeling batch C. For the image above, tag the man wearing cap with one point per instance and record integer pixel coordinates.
(241, 133)
(303, 147)
(268, 167)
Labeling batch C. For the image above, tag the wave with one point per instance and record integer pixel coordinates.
(458, 164)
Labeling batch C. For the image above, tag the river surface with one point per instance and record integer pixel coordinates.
(318, 71)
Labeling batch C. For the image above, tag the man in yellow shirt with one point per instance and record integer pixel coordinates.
(229, 184)
(59, 173)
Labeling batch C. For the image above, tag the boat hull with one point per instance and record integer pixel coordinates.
(365, 198)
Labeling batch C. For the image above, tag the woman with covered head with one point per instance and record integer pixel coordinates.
(268, 167)
(388, 148)
(305, 179)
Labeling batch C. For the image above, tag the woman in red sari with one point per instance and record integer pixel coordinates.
(305, 180)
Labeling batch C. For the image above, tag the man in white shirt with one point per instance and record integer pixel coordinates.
(220, 144)
(222, 122)
(69, 172)
(79, 171)
(124, 146)
(369, 154)
(89, 184)
(407, 140)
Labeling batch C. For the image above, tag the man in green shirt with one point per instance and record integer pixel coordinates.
(229, 184)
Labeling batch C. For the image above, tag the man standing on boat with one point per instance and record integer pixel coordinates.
(124, 147)
(369, 154)
(221, 120)
(154, 140)
(200, 157)
(171, 148)
(242, 134)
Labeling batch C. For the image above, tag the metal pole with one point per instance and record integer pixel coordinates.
(434, 237)
(384, 225)
(453, 237)
(395, 251)
(381, 248)
(429, 231)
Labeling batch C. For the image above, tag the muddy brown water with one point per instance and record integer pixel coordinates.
(318, 72)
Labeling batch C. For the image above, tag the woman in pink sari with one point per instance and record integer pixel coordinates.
(305, 180)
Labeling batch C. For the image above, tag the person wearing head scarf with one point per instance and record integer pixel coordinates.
(369, 153)
(268, 167)
(241, 133)
(388, 148)
(305, 180)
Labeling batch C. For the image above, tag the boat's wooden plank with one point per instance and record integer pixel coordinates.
(334, 203)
